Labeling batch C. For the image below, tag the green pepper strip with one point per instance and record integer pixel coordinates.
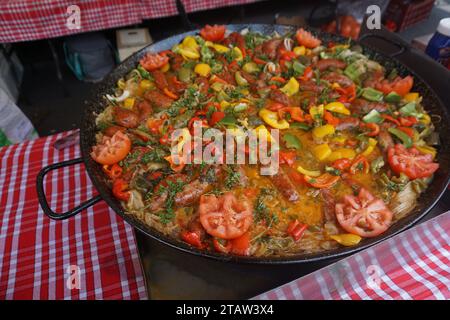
(406, 140)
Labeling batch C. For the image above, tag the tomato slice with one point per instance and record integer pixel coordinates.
(411, 162)
(225, 216)
(342, 164)
(399, 85)
(287, 157)
(326, 180)
(364, 215)
(111, 149)
(213, 33)
(153, 61)
(306, 39)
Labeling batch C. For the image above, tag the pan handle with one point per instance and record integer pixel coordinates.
(43, 200)
(402, 46)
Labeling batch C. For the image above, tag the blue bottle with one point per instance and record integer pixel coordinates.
(439, 46)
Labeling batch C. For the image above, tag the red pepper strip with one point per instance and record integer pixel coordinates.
(407, 121)
(348, 94)
(216, 116)
(259, 61)
(286, 55)
(330, 119)
(390, 118)
(297, 177)
(193, 119)
(307, 74)
(164, 139)
(119, 187)
(233, 64)
(295, 112)
(409, 131)
(359, 161)
(342, 164)
(287, 157)
(154, 125)
(155, 175)
(296, 229)
(113, 171)
(222, 246)
(278, 79)
(217, 79)
(176, 81)
(373, 127)
(241, 245)
(193, 238)
(170, 94)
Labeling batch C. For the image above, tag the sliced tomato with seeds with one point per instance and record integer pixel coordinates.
(241, 245)
(306, 39)
(399, 85)
(225, 216)
(411, 162)
(364, 215)
(111, 149)
(213, 33)
(153, 61)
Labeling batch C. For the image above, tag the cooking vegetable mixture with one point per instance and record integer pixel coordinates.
(356, 145)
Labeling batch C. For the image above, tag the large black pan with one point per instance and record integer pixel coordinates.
(97, 103)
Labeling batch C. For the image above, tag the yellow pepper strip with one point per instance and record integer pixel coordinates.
(339, 140)
(346, 239)
(250, 67)
(299, 51)
(322, 151)
(372, 143)
(291, 87)
(146, 84)
(342, 153)
(237, 54)
(322, 131)
(316, 112)
(337, 107)
(311, 173)
(426, 119)
(220, 48)
(271, 118)
(411, 97)
(263, 131)
(202, 69)
(190, 43)
(189, 54)
(427, 150)
(129, 103)
(166, 67)
(224, 104)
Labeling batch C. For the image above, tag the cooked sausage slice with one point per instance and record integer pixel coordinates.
(158, 99)
(342, 80)
(329, 204)
(385, 140)
(325, 64)
(362, 106)
(160, 79)
(125, 118)
(347, 123)
(191, 193)
(282, 182)
(270, 47)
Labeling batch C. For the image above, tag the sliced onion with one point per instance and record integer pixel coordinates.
(125, 94)
(404, 202)
(270, 67)
(288, 42)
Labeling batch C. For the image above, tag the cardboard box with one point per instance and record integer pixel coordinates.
(131, 40)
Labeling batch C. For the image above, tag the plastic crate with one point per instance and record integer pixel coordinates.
(405, 13)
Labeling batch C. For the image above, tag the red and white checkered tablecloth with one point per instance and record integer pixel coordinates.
(36, 252)
(412, 265)
(25, 20)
